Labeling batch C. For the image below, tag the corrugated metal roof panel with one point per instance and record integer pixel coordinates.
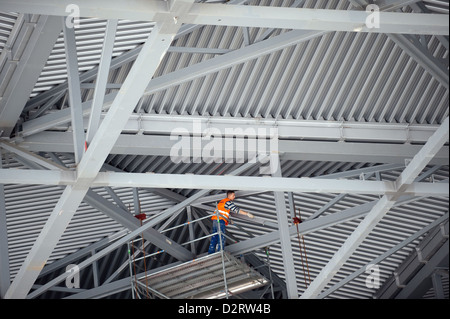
(89, 38)
(364, 77)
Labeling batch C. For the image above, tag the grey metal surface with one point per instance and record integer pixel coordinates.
(203, 278)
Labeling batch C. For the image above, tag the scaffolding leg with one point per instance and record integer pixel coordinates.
(222, 254)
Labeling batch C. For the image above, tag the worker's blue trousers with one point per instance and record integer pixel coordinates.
(215, 241)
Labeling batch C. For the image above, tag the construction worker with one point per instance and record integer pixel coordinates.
(223, 209)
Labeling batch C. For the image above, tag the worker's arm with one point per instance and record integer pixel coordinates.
(231, 206)
(243, 212)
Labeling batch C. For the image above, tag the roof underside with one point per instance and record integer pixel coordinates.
(353, 108)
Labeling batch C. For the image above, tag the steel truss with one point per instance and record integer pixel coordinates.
(105, 130)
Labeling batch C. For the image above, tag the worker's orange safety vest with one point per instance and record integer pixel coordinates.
(224, 214)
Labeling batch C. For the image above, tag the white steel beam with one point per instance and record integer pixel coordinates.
(296, 185)
(76, 113)
(242, 183)
(138, 10)
(283, 228)
(130, 144)
(102, 79)
(209, 182)
(244, 16)
(240, 127)
(138, 78)
(286, 128)
(381, 208)
(315, 19)
(37, 177)
(160, 124)
(27, 68)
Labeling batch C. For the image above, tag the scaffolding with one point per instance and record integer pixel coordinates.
(218, 275)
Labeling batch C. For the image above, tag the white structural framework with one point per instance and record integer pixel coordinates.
(359, 113)
(91, 162)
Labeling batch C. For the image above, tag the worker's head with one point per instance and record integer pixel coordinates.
(231, 195)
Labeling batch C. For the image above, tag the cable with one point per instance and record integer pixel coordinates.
(297, 221)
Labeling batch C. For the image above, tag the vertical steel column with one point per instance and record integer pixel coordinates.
(102, 80)
(222, 250)
(73, 79)
(283, 227)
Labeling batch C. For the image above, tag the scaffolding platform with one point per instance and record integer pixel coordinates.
(204, 278)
